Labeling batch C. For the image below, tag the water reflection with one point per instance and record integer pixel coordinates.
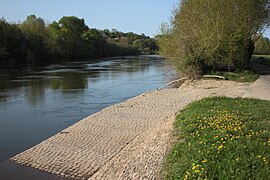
(37, 102)
(69, 81)
(35, 92)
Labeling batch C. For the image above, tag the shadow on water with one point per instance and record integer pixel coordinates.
(38, 102)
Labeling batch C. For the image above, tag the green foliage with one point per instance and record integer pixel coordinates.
(35, 26)
(96, 43)
(36, 37)
(69, 38)
(12, 42)
(238, 75)
(262, 45)
(145, 46)
(222, 138)
(210, 32)
(72, 25)
(261, 59)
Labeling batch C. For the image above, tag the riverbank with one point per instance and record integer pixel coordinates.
(126, 140)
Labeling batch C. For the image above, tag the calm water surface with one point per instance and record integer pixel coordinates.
(36, 103)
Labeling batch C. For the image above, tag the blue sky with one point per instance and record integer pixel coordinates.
(139, 16)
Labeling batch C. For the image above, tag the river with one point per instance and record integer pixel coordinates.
(38, 102)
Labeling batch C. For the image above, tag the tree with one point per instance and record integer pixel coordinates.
(209, 32)
(262, 45)
(106, 33)
(67, 37)
(12, 43)
(72, 24)
(34, 25)
(36, 36)
(96, 42)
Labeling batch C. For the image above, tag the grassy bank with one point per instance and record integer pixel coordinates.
(221, 138)
(240, 76)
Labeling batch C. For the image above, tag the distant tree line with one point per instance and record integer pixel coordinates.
(208, 33)
(262, 45)
(34, 41)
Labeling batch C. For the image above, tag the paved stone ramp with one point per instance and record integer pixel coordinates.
(143, 158)
(80, 150)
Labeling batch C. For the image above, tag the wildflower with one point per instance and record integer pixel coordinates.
(220, 147)
(204, 161)
(259, 156)
(203, 169)
(186, 175)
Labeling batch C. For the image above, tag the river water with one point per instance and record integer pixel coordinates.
(38, 102)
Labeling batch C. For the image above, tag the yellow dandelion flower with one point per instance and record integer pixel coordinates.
(197, 171)
(220, 147)
(204, 161)
(203, 169)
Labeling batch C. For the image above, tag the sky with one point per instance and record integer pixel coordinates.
(139, 16)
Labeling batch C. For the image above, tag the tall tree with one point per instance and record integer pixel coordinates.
(34, 25)
(67, 36)
(12, 43)
(36, 36)
(207, 32)
(96, 42)
(262, 45)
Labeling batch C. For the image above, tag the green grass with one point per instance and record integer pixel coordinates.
(261, 59)
(221, 138)
(240, 76)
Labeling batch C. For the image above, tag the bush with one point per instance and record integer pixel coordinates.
(204, 33)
